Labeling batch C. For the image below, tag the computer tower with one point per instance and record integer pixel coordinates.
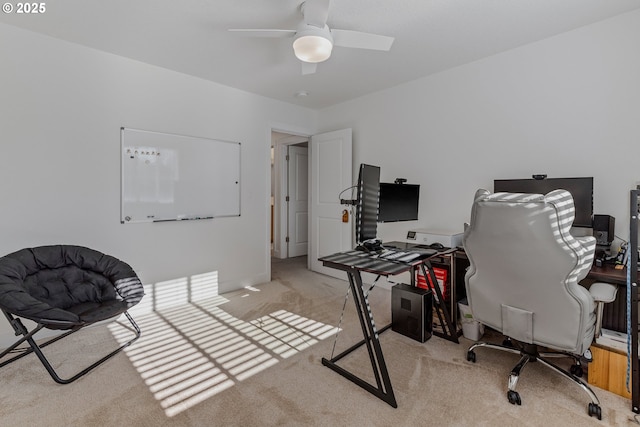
(412, 311)
(604, 229)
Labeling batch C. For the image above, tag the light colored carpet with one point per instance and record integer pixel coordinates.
(253, 358)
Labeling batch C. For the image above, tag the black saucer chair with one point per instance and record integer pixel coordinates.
(65, 288)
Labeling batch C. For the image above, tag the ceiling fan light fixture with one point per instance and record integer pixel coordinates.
(312, 48)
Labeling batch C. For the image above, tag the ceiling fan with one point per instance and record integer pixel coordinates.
(313, 40)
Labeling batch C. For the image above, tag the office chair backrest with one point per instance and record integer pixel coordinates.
(525, 267)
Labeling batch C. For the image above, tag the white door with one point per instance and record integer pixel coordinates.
(298, 201)
(330, 174)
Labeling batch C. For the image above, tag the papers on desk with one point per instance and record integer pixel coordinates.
(365, 262)
(408, 255)
(613, 339)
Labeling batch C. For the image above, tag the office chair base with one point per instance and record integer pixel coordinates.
(529, 353)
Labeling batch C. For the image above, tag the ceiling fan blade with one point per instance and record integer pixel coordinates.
(308, 67)
(272, 33)
(315, 12)
(359, 40)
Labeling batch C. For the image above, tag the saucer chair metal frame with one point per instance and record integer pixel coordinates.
(66, 288)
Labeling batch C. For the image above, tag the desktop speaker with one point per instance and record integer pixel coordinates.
(412, 311)
(604, 229)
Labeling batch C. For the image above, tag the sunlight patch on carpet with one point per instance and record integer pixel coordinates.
(191, 352)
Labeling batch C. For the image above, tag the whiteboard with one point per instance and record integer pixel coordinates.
(169, 177)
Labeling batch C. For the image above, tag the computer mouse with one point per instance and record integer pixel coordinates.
(436, 246)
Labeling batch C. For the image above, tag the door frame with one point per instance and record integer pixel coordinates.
(280, 193)
(290, 204)
(298, 135)
(279, 172)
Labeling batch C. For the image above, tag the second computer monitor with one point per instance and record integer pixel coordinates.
(580, 188)
(398, 202)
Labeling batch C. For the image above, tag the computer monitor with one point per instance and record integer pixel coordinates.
(580, 188)
(398, 202)
(367, 203)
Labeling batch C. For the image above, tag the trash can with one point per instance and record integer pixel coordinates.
(471, 328)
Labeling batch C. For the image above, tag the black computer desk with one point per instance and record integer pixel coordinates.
(354, 263)
(455, 261)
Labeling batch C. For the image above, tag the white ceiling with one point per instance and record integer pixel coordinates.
(190, 36)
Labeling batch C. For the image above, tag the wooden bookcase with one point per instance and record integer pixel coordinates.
(609, 370)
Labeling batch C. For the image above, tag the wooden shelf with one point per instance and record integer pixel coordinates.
(609, 371)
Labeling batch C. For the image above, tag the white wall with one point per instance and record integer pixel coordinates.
(61, 109)
(565, 106)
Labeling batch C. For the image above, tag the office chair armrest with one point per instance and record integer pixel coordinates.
(603, 292)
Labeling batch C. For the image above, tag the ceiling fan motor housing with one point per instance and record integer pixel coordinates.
(312, 44)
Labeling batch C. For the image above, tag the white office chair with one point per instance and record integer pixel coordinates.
(523, 281)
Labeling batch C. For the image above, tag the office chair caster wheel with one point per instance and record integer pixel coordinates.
(595, 409)
(471, 356)
(576, 370)
(514, 397)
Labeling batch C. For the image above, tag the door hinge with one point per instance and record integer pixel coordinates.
(286, 239)
(287, 158)
(286, 199)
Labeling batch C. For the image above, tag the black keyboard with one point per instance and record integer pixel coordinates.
(433, 248)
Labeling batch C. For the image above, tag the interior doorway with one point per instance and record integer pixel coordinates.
(329, 227)
(289, 195)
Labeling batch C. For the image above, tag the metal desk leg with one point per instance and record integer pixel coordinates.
(448, 328)
(383, 389)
